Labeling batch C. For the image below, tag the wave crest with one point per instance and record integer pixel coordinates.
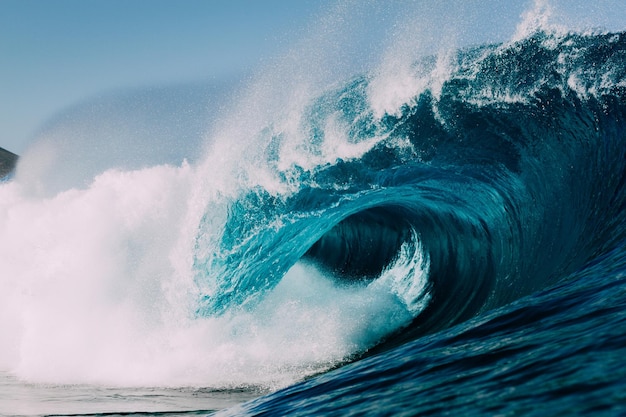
(485, 179)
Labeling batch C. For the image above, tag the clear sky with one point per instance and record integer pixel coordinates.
(54, 53)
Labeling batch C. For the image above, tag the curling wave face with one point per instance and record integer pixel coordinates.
(505, 178)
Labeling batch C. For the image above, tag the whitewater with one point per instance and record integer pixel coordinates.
(434, 227)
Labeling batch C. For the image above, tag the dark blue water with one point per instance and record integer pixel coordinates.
(558, 352)
(452, 248)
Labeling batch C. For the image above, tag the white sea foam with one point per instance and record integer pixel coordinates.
(407, 276)
(92, 292)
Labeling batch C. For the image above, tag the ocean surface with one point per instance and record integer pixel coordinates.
(441, 235)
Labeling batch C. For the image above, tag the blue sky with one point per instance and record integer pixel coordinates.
(55, 53)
